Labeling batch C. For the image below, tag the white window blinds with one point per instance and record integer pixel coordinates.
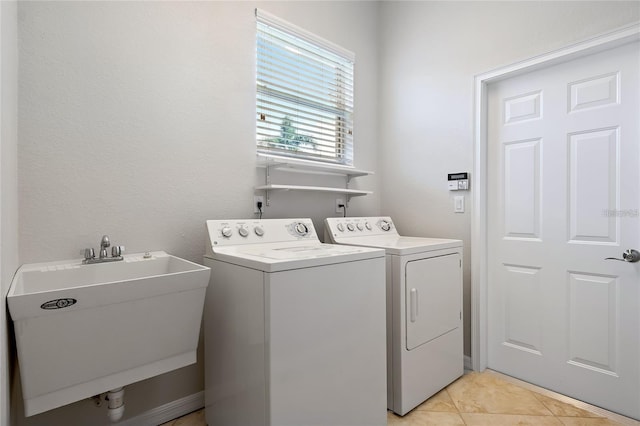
(304, 94)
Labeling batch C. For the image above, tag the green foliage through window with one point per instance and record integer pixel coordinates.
(289, 137)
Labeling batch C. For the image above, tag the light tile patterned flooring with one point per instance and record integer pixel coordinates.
(487, 399)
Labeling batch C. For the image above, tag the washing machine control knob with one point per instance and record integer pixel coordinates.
(360, 227)
(243, 232)
(385, 226)
(301, 229)
(350, 227)
(340, 227)
(227, 232)
(367, 225)
(259, 231)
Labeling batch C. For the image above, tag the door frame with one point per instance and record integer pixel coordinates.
(479, 237)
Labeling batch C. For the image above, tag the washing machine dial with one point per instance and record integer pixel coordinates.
(243, 232)
(385, 225)
(259, 231)
(350, 227)
(226, 232)
(301, 229)
(340, 227)
(360, 227)
(367, 225)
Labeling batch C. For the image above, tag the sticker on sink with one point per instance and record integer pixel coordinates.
(58, 303)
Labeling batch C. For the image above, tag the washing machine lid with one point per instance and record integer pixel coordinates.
(399, 245)
(274, 257)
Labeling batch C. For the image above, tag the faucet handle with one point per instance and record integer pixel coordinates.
(117, 251)
(89, 253)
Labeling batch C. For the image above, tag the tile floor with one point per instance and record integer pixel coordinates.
(487, 399)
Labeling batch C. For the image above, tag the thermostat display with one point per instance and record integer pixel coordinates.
(458, 181)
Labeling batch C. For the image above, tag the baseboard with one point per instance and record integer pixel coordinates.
(467, 363)
(169, 411)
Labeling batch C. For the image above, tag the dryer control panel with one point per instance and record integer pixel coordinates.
(344, 227)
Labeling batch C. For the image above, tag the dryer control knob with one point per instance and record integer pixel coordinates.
(259, 231)
(350, 227)
(360, 227)
(367, 225)
(385, 226)
(227, 232)
(243, 232)
(340, 227)
(301, 229)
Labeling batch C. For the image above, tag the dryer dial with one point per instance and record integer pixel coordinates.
(259, 231)
(226, 232)
(385, 225)
(360, 227)
(350, 227)
(340, 227)
(243, 232)
(367, 225)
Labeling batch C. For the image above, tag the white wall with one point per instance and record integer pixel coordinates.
(429, 54)
(137, 119)
(8, 185)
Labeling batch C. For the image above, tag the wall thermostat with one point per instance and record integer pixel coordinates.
(458, 181)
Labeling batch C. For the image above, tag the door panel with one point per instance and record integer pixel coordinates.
(593, 185)
(563, 195)
(592, 322)
(432, 298)
(522, 317)
(522, 189)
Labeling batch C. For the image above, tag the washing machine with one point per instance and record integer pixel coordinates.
(424, 307)
(294, 329)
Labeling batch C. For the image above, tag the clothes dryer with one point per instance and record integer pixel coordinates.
(424, 307)
(294, 329)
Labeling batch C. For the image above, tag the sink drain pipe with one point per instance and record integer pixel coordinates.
(115, 404)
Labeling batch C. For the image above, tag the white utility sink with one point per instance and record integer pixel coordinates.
(84, 329)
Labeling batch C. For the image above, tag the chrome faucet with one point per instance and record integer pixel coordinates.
(104, 243)
(116, 252)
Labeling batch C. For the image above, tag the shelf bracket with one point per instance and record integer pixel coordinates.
(267, 175)
(267, 178)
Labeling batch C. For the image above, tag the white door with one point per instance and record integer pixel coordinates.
(563, 195)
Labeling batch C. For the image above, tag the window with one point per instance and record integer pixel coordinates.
(304, 94)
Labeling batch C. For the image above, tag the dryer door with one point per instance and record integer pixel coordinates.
(433, 298)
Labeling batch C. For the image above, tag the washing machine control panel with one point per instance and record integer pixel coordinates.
(344, 227)
(234, 232)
